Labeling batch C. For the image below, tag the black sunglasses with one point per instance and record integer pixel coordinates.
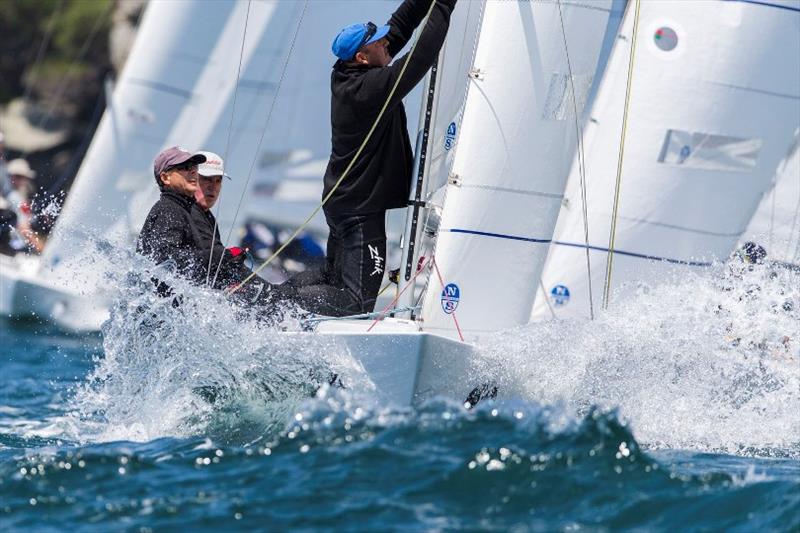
(372, 29)
(187, 165)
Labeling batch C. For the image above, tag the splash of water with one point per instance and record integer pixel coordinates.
(195, 362)
(710, 361)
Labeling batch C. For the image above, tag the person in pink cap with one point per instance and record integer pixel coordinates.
(167, 231)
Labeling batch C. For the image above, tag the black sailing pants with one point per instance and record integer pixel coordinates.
(354, 267)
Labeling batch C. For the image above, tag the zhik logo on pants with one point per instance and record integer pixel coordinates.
(375, 255)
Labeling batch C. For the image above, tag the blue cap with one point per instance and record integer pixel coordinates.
(353, 37)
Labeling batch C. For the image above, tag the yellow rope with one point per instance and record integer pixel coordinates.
(613, 233)
(349, 166)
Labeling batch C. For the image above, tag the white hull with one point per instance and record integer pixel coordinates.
(24, 295)
(404, 365)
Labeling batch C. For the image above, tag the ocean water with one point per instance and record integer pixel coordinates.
(678, 410)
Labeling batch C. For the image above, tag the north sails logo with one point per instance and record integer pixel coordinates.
(451, 295)
(375, 254)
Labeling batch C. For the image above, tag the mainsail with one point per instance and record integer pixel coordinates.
(713, 104)
(532, 71)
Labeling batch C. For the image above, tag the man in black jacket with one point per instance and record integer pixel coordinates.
(167, 232)
(380, 179)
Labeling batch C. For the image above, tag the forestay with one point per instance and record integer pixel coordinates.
(714, 103)
(515, 146)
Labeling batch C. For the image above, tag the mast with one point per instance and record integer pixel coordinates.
(416, 203)
(441, 109)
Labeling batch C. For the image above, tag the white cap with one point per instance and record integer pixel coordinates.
(20, 167)
(213, 166)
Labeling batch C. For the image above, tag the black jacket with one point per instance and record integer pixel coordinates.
(170, 232)
(381, 177)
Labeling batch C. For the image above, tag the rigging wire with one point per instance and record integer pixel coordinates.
(228, 142)
(258, 148)
(615, 211)
(346, 170)
(581, 172)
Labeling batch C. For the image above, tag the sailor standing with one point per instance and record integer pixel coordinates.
(380, 179)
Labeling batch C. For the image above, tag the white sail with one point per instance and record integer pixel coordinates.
(776, 223)
(443, 98)
(516, 143)
(115, 185)
(713, 104)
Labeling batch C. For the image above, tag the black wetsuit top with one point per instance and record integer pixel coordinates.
(381, 177)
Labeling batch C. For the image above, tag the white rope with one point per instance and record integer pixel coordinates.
(615, 210)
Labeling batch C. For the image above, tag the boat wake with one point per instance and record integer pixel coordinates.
(194, 362)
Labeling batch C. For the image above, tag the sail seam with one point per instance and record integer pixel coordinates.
(578, 245)
(513, 191)
(682, 228)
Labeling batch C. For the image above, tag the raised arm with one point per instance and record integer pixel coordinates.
(431, 39)
(404, 21)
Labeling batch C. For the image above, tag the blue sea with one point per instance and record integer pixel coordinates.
(677, 411)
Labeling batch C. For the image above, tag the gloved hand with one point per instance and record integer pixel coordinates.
(236, 254)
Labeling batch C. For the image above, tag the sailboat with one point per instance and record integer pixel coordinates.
(713, 105)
